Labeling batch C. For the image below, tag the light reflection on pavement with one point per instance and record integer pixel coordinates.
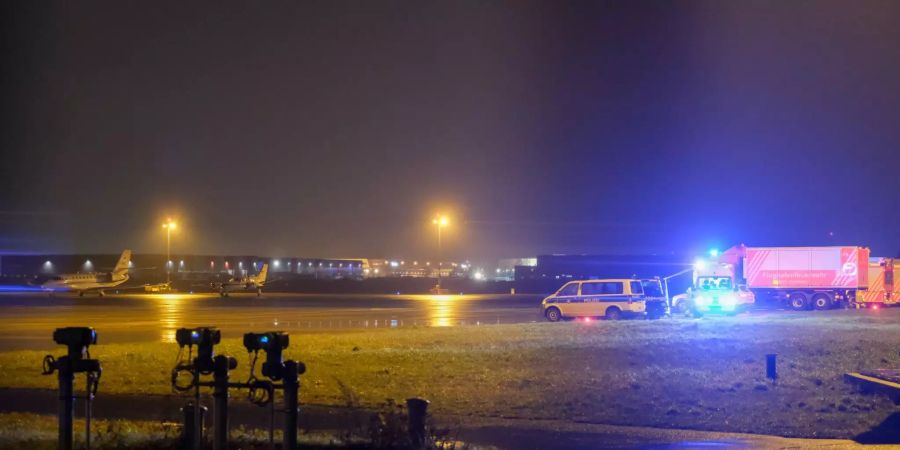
(27, 320)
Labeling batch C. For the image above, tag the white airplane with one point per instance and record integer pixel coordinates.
(244, 283)
(84, 282)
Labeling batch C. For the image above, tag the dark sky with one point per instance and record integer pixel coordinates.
(337, 128)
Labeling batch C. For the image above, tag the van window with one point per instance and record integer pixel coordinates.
(591, 288)
(569, 289)
(636, 287)
(613, 287)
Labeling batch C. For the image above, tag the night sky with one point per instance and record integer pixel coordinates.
(336, 129)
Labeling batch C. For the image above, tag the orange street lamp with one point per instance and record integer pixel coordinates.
(440, 222)
(169, 226)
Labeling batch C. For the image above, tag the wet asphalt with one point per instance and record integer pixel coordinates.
(27, 320)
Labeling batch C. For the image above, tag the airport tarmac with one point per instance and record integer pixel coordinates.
(27, 320)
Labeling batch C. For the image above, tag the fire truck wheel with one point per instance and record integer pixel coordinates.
(821, 301)
(798, 301)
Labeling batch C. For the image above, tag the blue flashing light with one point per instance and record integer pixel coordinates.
(713, 252)
(699, 264)
(264, 339)
(195, 334)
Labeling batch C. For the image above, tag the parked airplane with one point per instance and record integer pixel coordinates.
(84, 282)
(246, 283)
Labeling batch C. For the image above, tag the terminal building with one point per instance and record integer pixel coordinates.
(551, 271)
(506, 268)
(586, 267)
(148, 265)
(401, 268)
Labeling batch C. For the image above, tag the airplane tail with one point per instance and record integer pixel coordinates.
(261, 278)
(121, 269)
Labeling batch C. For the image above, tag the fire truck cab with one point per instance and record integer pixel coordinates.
(882, 291)
(715, 289)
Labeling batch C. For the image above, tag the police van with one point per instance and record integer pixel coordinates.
(613, 299)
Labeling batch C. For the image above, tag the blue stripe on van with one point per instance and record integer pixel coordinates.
(595, 299)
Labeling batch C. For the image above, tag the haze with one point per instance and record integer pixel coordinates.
(340, 128)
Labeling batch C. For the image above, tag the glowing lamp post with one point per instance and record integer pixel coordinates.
(169, 226)
(440, 222)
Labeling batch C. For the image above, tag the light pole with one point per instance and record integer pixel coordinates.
(440, 222)
(169, 226)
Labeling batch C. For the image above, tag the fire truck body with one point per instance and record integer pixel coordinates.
(806, 277)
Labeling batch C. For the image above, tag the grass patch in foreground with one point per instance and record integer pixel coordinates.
(36, 432)
(39, 432)
(707, 374)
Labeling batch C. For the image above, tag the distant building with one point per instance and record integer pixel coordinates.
(402, 268)
(585, 267)
(146, 265)
(506, 268)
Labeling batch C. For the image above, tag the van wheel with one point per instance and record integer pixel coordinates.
(821, 301)
(613, 313)
(552, 314)
(798, 301)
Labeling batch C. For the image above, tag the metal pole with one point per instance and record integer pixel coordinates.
(189, 435)
(291, 407)
(439, 254)
(220, 395)
(417, 409)
(771, 371)
(88, 411)
(271, 419)
(66, 403)
(198, 419)
(187, 430)
(168, 255)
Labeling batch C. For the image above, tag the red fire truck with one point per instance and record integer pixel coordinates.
(803, 277)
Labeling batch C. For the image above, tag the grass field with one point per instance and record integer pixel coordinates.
(706, 374)
(39, 432)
